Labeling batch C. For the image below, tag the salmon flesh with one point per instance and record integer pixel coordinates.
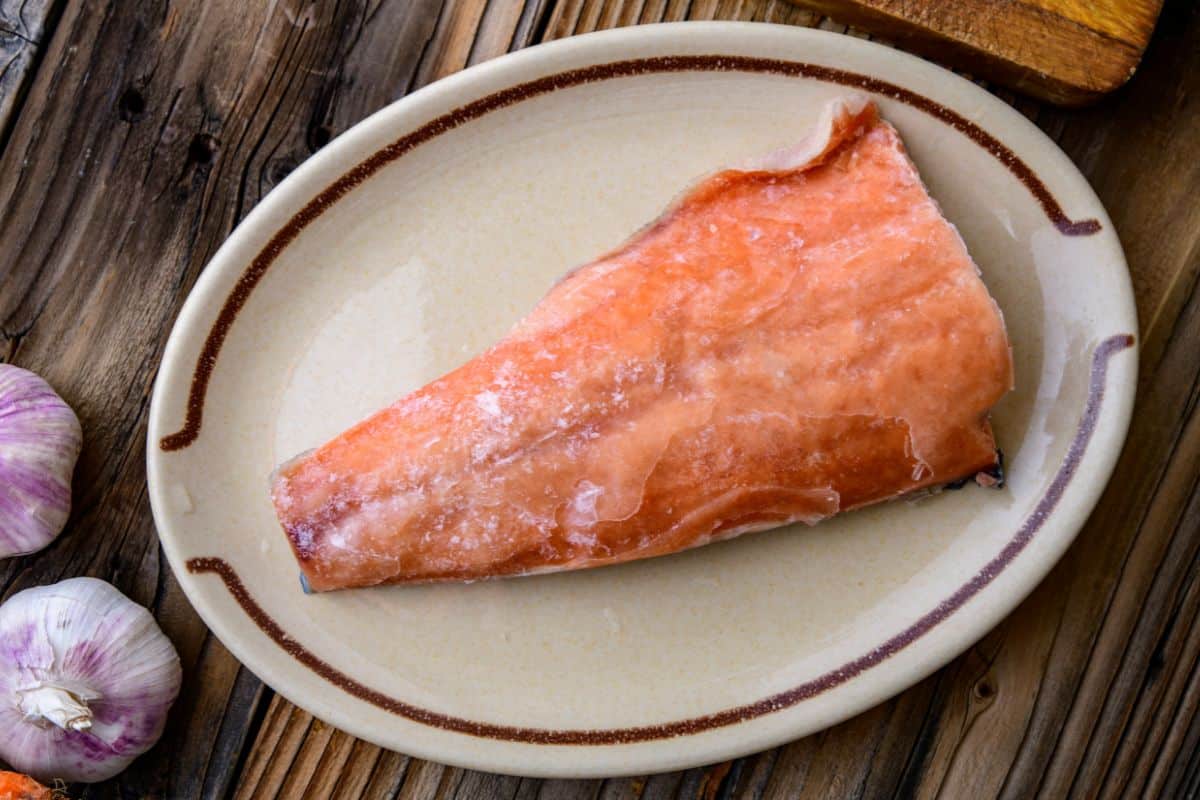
(794, 338)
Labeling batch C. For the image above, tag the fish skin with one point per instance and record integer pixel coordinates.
(792, 339)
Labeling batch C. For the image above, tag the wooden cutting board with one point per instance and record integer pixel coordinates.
(1069, 52)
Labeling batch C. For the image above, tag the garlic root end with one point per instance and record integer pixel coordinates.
(46, 703)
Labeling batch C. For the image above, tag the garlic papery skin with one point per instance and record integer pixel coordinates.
(40, 440)
(86, 680)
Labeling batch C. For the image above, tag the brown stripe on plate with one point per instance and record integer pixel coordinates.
(575, 77)
(1045, 507)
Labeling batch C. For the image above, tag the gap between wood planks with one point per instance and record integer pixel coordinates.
(23, 31)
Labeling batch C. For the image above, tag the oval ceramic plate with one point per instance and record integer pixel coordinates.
(420, 236)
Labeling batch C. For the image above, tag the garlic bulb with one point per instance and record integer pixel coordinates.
(86, 679)
(39, 443)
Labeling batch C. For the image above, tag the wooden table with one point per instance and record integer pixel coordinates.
(134, 135)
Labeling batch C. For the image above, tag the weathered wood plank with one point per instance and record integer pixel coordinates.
(452, 40)
(25, 25)
(1172, 649)
(16, 59)
(387, 776)
(352, 780)
(496, 30)
(327, 774)
(279, 741)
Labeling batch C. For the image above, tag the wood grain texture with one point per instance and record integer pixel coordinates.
(24, 27)
(1064, 51)
(143, 132)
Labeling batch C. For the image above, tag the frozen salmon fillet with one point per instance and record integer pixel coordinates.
(799, 337)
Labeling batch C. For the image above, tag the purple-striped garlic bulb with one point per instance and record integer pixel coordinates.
(40, 440)
(86, 680)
